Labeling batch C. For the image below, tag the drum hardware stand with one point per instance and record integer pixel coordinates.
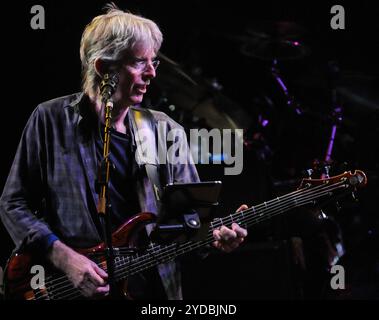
(291, 102)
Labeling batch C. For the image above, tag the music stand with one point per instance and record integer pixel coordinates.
(186, 212)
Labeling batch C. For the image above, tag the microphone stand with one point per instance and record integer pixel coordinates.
(107, 87)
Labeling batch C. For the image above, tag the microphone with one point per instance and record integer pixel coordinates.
(108, 86)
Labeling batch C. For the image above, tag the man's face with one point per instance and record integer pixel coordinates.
(135, 75)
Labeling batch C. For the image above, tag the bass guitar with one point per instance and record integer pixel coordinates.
(18, 276)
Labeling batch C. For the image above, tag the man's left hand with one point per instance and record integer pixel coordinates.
(228, 239)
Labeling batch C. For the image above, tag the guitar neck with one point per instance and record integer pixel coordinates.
(157, 254)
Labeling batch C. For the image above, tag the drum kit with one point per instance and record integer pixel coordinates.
(196, 102)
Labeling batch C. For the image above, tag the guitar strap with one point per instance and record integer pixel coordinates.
(144, 128)
(143, 125)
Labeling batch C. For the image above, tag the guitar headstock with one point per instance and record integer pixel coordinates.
(348, 179)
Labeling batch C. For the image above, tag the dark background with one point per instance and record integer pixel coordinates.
(205, 38)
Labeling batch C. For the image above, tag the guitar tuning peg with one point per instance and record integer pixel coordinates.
(326, 171)
(309, 172)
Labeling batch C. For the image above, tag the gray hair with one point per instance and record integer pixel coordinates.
(109, 37)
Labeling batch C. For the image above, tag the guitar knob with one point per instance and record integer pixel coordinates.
(322, 215)
(338, 207)
(193, 222)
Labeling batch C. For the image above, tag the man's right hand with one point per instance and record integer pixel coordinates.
(85, 274)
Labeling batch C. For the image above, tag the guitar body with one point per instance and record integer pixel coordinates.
(23, 266)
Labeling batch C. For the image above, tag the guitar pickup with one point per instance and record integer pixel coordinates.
(122, 251)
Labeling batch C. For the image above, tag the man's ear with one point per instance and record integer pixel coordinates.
(103, 66)
(99, 67)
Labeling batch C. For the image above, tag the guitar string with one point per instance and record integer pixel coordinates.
(279, 201)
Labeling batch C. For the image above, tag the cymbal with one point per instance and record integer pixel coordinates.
(273, 30)
(276, 30)
(268, 49)
(175, 67)
(269, 40)
(172, 80)
(196, 96)
(221, 112)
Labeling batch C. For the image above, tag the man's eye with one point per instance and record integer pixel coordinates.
(139, 63)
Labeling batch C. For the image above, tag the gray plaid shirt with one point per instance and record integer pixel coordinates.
(51, 189)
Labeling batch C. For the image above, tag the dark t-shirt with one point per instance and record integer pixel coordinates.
(122, 189)
(124, 201)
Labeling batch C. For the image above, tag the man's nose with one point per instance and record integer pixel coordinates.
(150, 71)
